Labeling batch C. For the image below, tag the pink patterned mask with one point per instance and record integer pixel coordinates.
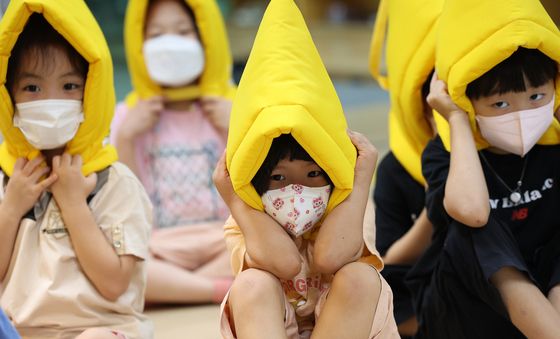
(297, 208)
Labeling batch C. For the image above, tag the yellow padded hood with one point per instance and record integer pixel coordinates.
(216, 77)
(74, 21)
(476, 35)
(410, 57)
(286, 89)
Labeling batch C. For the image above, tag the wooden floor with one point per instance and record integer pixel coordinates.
(197, 322)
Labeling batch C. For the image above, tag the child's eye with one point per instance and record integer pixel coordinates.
(277, 177)
(537, 96)
(500, 104)
(186, 31)
(314, 174)
(152, 34)
(31, 88)
(71, 86)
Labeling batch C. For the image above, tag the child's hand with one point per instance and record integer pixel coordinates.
(71, 187)
(440, 100)
(217, 110)
(141, 117)
(24, 187)
(222, 180)
(367, 158)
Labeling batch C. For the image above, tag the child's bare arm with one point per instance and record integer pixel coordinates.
(466, 194)
(22, 192)
(341, 235)
(269, 247)
(410, 246)
(530, 311)
(108, 272)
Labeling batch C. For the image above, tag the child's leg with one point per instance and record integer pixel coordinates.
(527, 307)
(257, 306)
(168, 283)
(100, 333)
(218, 267)
(351, 303)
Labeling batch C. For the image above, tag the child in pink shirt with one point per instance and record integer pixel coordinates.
(172, 139)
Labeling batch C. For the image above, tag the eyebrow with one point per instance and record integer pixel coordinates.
(71, 73)
(180, 22)
(307, 164)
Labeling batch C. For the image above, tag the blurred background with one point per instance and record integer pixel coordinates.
(341, 30)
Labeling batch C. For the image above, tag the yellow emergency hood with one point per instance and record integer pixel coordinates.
(286, 89)
(74, 21)
(216, 77)
(408, 29)
(476, 35)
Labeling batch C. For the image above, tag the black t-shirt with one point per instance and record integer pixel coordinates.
(399, 200)
(534, 220)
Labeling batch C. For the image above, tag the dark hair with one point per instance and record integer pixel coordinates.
(186, 8)
(38, 40)
(425, 89)
(284, 146)
(510, 74)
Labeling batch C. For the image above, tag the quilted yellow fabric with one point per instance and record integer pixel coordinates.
(476, 35)
(286, 89)
(74, 21)
(216, 77)
(408, 29)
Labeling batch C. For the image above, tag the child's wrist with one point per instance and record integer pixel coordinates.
(457, 115)
(70, 204)
(10, 212)
(237, 205)
(126, 136)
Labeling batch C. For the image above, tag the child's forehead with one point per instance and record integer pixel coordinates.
(161, 11)
(45, 60)
(295, 163)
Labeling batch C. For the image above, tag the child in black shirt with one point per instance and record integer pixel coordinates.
(499, 271)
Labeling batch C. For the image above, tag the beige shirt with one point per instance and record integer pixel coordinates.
(47, 295)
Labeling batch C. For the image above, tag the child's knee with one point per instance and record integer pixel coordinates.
(253, 285)
(356, 280)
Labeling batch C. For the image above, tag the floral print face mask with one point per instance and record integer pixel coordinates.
(297, 208)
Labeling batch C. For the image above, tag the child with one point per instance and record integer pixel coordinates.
(171, 132)
(306, 271)
(74, 223)
(403, 228)
(498, 273)
(300, 234)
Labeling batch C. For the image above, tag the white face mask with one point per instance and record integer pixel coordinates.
(517, 132)
(173, 60)
(49, 124)
(297, 208)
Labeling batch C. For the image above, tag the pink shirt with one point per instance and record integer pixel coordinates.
(175, 160)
